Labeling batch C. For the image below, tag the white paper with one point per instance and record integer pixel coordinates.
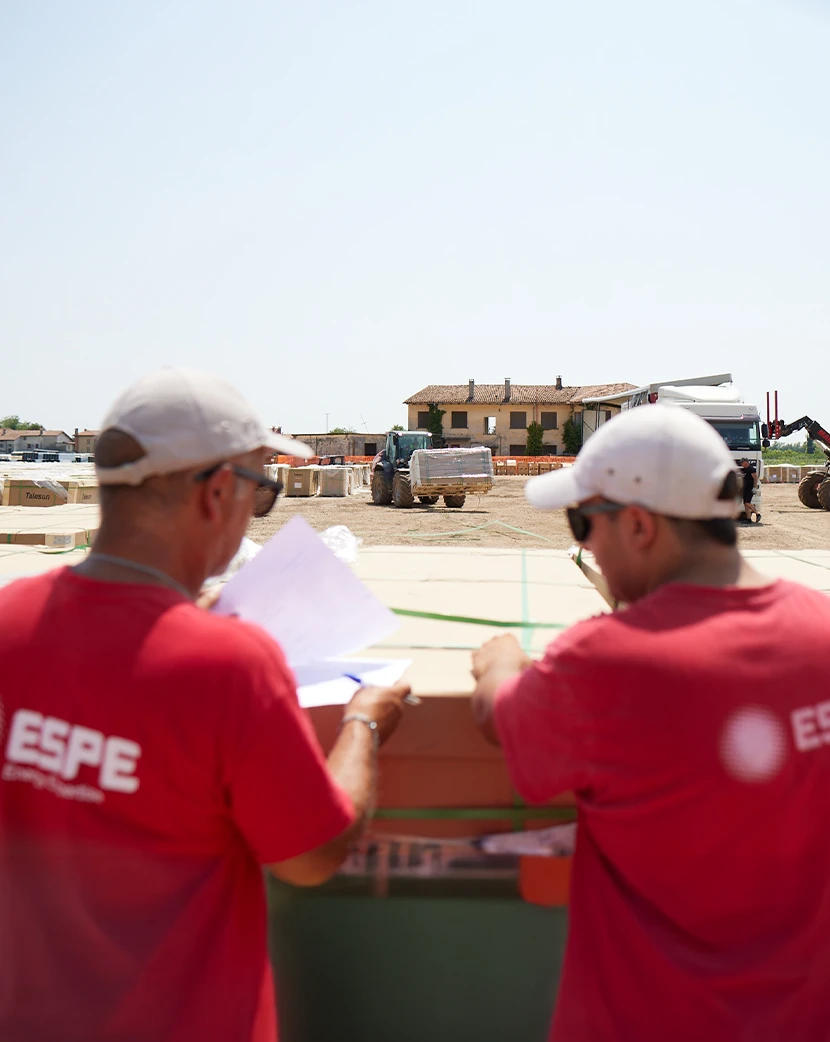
(308, 600)
(326, 683)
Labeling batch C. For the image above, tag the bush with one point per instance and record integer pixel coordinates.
(572, 437)
(436, 425)
(535, 440)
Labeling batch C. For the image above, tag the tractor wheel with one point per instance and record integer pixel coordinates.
(454, 501)
(824, 494)
(429, 501)
(808, 489)
(402, 490)
(381, 492)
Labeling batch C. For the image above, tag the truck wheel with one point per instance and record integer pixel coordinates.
(824, 494)
(402, 490)
(429, 501)
(454, 501)
(808, 489)
(381, 492)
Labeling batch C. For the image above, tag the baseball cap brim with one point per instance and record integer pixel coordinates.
(556, 490)
(287, 446)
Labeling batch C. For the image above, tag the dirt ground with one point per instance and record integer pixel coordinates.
(493, 520)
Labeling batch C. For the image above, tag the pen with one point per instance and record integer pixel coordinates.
(410, 700)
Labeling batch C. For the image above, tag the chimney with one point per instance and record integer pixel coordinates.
(558, 383)
(77, 441)
(471, 390)
(507, 388)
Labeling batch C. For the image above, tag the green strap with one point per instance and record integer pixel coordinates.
(473, 620)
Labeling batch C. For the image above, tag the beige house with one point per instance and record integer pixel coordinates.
(85, 440)
(498, 415)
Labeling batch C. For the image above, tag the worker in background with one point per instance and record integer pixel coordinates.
(749, 478)
(155, 755)
(700, 906)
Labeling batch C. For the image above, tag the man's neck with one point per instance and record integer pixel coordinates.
(160, 552)
(704, 565)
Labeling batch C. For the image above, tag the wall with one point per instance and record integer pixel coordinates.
(343, 444)
(504, 437)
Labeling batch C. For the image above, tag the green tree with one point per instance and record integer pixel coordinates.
(342, 430)
(397, 427)
(572, 437)
(436, 425)
(14, 423)
(535, 440)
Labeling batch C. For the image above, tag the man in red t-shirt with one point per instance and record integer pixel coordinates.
(694, 728)
(154, 756)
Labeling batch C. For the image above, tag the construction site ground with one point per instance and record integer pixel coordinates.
(503, 518)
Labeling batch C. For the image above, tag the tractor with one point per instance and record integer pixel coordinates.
(391, 482)
(814, 489)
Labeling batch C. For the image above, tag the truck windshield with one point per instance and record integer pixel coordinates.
(407, 443)
(739, 434)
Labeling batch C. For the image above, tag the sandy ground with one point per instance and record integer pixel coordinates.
(492, 520)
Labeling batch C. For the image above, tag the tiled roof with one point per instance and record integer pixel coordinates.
(8, 434)
(520, 394)
(88, 434)
(52, 434)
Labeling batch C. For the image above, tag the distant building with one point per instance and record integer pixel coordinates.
(498, 415)
(343, 444)
(35, 441)
(85, 440)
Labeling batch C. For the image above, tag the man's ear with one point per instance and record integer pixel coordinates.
(642, 527)
(214, 491)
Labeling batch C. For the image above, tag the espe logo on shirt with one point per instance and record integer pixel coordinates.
(49, 753)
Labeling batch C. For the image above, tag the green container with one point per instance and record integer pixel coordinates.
(432, 962)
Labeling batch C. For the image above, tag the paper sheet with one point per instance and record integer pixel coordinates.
(326, 683)
(306, 598)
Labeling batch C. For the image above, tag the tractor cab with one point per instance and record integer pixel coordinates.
(401, 444)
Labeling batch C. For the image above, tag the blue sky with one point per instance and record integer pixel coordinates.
(334, 204)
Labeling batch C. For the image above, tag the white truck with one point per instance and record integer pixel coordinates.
(714, 398)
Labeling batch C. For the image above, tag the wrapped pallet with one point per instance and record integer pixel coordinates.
(467, 469)
(335, 481)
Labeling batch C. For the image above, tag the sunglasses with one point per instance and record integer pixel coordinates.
(579, 518)
(266, 492)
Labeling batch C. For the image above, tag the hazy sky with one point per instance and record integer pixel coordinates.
(336, 203)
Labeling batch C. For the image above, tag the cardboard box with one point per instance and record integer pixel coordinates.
(21, 492)
(53, 540)
(81, 491)
(303, 481)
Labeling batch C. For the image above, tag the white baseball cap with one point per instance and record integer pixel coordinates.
(662, 457)
(183, 418)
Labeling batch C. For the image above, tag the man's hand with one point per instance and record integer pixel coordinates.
(495, 662)
(502, 653)
(384, 705)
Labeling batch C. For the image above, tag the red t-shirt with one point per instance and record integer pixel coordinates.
(694, 729)
(154, 757)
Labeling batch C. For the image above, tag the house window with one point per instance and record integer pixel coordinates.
(370, 448)
(608, 415)
(459, 421)
(423, 420)
(518, 421)
(489, 424)
(550, 450)
(549, 421)
(518, 450)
